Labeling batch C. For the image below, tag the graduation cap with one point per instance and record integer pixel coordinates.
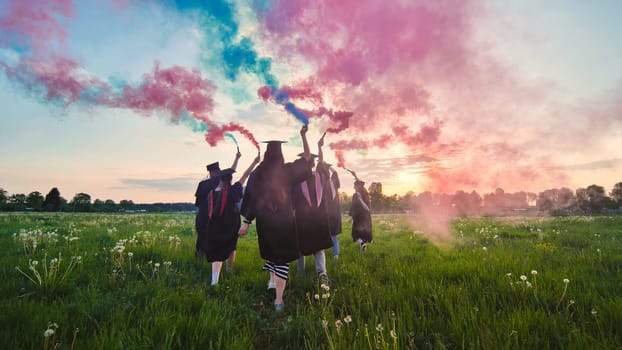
(273, 144)
(311, 154)
(225, 172)
(213, 167)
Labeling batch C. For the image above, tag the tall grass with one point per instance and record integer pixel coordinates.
(500, 284)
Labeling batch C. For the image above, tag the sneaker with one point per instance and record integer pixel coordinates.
(279, 307)
(364, 246)
(271, 284)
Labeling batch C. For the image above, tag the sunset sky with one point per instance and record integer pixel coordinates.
(130, 99)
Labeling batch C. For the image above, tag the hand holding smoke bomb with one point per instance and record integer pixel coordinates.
(320, 142)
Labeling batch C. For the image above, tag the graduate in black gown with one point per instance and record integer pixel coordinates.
(310, 207)
(331, 196)
(203, 189)
(360, 210)
(267, 199)
(224, 220)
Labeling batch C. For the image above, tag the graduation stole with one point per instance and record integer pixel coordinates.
(333, 190)
(304, 186)
(223, 200)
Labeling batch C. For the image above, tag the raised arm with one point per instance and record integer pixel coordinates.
(238, 155)
(353, 174)
(250, 168)
(305, 143)
(320, 154)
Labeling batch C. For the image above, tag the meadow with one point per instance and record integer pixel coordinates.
(131, 281)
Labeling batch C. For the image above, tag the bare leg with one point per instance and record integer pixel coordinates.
(216, 266)
(280, 288)
(231, 260)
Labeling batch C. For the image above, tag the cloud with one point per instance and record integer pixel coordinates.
(595, 165)
(181, 184)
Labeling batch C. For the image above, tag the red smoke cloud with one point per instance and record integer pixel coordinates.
(370, 56)
(36, 26)
(35, 22)
(216, 133)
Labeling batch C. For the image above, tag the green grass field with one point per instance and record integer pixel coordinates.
(131, 281)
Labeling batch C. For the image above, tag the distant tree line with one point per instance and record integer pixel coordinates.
(556, 201)
(81, 202)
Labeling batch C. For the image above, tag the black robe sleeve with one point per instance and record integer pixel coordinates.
(246, 209)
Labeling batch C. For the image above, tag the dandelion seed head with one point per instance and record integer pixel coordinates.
(594, 312)
(509, 274)
(523, 277)
(534, 272)
(347, 319)
(316, 297)
(379, 327)
(48, 332)
(393, 334)
(566, 281)
(484, 249)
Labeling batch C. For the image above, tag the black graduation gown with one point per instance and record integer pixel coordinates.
(333, 203)
(311, 217)
(361, 219)
(275, 225)
(200, 222)
(224, 223)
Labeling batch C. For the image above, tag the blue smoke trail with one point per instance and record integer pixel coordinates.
(230, 135)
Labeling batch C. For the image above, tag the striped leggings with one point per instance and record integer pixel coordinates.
(279, 270)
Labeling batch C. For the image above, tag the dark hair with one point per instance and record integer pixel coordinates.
(270, 179)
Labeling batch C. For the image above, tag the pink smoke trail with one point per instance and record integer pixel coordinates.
(216, 133)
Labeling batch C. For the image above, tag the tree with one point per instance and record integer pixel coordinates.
(35, 200)
(596, 197)
(375, 196)
(106, 206)
(52, 200)
(126, 204)
(3, 198)
(17, 202)
(616, 193)
(81, 202)
(556, 200)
